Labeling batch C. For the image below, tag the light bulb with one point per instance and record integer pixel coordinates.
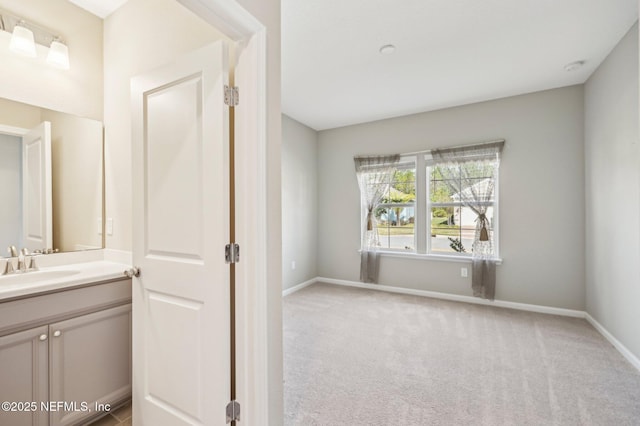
(22, 41)
(58, 55)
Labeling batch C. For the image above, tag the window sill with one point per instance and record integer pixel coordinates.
(422, 256)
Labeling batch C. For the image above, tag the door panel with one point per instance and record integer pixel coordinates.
(173, 118)
(181, 193)
(181, 321)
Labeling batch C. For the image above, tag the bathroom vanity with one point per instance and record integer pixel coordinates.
(65, 343)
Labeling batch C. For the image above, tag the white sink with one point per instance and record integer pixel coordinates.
(35, 276)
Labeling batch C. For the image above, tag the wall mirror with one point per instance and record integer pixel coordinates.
(51, 169)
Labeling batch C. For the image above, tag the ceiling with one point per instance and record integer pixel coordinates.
(447, 53)
(101, 8)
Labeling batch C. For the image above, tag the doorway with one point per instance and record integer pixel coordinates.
(250, 169)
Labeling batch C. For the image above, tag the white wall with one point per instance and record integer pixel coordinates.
(11, 178)
(75, 91)
(299, 202)
(613, 193)
(17, 114)
(541, 195)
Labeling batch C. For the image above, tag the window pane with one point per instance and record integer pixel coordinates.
(447, 232)
(403, 186)
(451, 183)
(439, 193)
(396, 227)
(453, 229)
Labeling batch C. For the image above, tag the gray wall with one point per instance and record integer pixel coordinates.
(11, 178)
(299, 202)
(541, 195)
(613, 193)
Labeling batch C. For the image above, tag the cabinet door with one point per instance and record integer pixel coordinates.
(24, 376)
(90, 362)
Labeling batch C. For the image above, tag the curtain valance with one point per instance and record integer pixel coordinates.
(488, 151)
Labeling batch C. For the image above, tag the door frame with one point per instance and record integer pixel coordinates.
(250, 36)
(45, 211)
(18, 132)
(21, 132)
(13, 131)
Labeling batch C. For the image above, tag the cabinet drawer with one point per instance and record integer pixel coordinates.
(36, 310)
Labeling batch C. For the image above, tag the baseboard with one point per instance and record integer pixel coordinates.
(458, 298)
(298, 287)
(615, 342)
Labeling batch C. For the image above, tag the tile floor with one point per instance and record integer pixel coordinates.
(121, 416)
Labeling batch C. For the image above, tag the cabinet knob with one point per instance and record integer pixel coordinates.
(43, 337)
(57, 333)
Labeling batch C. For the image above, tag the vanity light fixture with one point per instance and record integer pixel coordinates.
(58, 54)
(25, 36)
(22, 40)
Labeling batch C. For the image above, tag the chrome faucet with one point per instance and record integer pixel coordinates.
(8, 267)
(25, 263)
(28, 261)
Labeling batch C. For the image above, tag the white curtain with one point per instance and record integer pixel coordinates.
(374, 174)
(460, 168)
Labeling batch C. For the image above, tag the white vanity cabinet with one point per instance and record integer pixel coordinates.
(68, 347)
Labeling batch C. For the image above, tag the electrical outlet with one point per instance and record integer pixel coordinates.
(464, 272)
(293, 265)
(109, 226)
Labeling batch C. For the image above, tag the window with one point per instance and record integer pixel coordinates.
(458, 194)
(444, 202)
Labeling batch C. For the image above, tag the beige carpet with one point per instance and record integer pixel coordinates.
(362, 357)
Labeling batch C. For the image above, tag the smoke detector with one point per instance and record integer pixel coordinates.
(387, 49)
(574, 66)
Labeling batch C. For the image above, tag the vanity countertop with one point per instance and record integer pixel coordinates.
(58, 277)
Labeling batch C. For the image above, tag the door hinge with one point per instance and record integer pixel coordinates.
(233, 412)
(232, 253)
(231, 97)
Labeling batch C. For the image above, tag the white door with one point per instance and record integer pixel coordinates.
(37, 232)
(181, 337)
